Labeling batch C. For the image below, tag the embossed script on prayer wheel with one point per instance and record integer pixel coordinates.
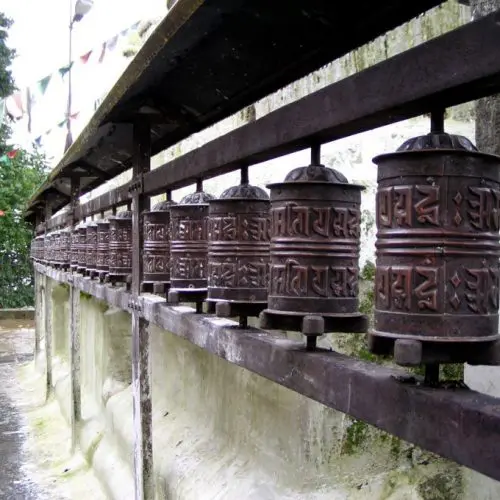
(156, 254)
(102, 253)
(189, 245)
(54, 245)
(238, 248)
(64, 248)
(120, 246)
(315, 230)
(74, 248)
(438, 218)
(90, 246)
(82, 248)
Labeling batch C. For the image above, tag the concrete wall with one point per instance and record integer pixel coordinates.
(221, 432)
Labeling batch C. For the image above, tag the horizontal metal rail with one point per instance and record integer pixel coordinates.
(458, 424)
(451, 69)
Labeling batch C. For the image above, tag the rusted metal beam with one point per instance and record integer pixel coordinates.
(451, 69)
(143, 428)
(458, 424)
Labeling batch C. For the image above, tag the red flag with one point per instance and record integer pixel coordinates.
(85, 57)
(12, 154)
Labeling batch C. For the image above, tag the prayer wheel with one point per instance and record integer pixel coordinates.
(91, 248)
(238, 252)
(82, 248)
(64, 248)
(437, 251)
(189, 249)
(54, 248)
(120, 247)
(73, 259)
(315, 239)
(102, 253)
(156, 253)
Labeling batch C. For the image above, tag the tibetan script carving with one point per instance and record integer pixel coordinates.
(407, 288)
(401, 206)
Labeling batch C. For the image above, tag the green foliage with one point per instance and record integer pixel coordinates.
(6, 56)
(19, 177)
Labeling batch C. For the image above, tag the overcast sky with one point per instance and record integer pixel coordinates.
(40, 36)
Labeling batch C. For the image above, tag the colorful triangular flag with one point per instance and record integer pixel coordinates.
(14, 106)
(124, 32)
(43, 84)
(65, 69)
(135, 25)
(111, 43)
(61, 124)
(85, 57)
(38, 141)
(74, 116)
(12, 154)
(103, 52)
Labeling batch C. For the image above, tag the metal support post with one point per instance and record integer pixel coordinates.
(143, 444)
(48, 317)
(74, 332)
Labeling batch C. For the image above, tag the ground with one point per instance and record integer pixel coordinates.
(35, 458)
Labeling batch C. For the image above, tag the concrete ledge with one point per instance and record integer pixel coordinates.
(27, 313)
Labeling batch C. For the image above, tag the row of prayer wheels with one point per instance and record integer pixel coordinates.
(292, 258)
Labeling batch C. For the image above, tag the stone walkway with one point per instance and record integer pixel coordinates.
(35, 458)
(15, 483)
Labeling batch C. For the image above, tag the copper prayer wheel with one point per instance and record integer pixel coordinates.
(238, 251)
(73, 260)
(54, 245)
(102, 253)
(120, 247)
(189, 248)
(315, 239)
(437, 249)
(64, 248)
(90, 247)
(156, 252)
(82, 248)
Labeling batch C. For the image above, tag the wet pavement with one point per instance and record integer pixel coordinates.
(15, 482)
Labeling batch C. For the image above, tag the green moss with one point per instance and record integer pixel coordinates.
(85, 296)
(356, 433)
(368, 272)
(395, 448)
(452, 372)
(442, 486)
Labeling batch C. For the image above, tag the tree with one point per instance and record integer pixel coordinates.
(21, 172)
(488, 108)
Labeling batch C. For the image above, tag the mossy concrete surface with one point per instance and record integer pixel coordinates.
(223, 432)
(41, 438)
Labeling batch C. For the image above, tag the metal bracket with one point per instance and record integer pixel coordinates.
(135, 304)
(136, 186)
